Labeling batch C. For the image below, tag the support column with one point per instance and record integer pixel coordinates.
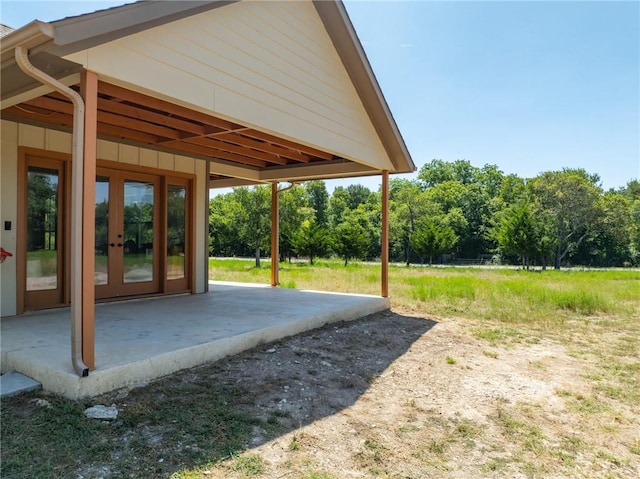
(384, 256)
(275, 236)
(206, 228)
(89, 92)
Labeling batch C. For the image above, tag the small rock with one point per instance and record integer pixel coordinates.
(41, 403)
(270, 351)
(325, 363)
(107, 413)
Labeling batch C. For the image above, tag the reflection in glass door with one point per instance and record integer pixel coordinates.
(126, 234)
(42, 229)
(178, 237)
(176, 231)
(102, 231)
(139, 208)
(44, 234)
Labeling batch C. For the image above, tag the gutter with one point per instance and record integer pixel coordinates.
(22, 59)
(31, 35)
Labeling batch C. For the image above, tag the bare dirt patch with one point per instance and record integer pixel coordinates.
(391, 395)
(400, 396)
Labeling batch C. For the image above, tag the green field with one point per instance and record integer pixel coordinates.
(544, 299)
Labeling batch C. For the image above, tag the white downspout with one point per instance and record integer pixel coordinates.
(22, 59)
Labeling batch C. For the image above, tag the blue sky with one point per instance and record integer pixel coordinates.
(528, 86)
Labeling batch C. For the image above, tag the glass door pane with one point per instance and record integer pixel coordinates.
(138, 230)
(176, 231)
(102, 230)
(43, 234)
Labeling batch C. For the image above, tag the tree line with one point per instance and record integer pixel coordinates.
(453, 212)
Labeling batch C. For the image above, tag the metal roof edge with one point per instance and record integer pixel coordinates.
(336, 20)
(85, 31)
(29, 36)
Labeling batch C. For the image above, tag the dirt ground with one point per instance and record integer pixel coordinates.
(393, 395)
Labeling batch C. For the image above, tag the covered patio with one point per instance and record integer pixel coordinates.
(140, 340)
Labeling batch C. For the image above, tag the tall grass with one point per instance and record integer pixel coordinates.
(512, 296)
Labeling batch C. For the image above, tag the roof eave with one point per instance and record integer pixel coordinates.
(29, 36)
(336, 20)
(85, 31)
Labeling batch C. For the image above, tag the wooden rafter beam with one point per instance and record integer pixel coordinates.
(264, 146)
(164, 106)
(183, 147)
(55, 105)
(289, 144)
(40, 115)
(152, 117)
(124, 114)
(221, 145)
(112, 131)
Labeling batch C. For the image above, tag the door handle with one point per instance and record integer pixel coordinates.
(120, 245)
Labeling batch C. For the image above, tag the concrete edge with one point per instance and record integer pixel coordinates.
(140, 373)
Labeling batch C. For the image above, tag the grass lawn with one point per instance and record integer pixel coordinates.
(199, 424)
(541, 300)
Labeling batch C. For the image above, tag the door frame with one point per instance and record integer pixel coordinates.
(166, 177)
(117, 287)
(48, 298)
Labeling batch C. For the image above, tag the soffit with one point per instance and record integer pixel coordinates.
(130, 117)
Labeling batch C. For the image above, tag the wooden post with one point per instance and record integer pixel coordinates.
(384, 256)
(89, 92)
(275, 235)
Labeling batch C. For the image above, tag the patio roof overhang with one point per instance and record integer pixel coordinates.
(239, 155)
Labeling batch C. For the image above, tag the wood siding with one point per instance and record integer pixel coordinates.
(267, 65)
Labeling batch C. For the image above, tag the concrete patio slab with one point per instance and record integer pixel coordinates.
(140, 340)
(13, 383)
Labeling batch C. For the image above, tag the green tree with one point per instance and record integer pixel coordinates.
(294, 211)
(311, 240)
(350, 240)
(512, 189)
(255, 226)
(408, 203)
(338, 206)
(570, 197)
(611, 240)
(516, 232)
(224, 232)
(461, 171)
(318, 198)
(357, 195)
(433, 237)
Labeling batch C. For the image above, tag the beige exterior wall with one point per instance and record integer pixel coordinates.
(267, 65)
(8, 212)
(15, 135)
